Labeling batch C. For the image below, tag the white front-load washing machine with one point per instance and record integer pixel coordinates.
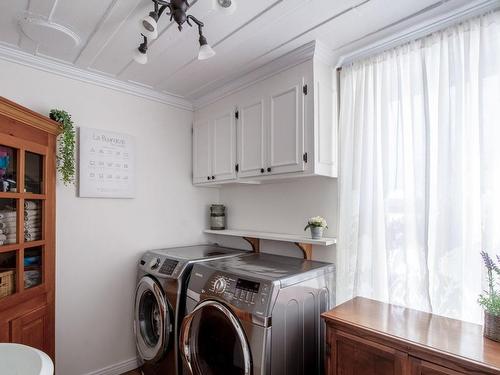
(160, 303)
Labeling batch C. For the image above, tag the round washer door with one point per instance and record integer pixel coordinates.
(151, 320)
(212, 341)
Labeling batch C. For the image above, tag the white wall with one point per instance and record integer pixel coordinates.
(100, 240)
(282, 207)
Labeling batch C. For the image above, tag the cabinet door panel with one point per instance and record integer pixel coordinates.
(286, 130)
(224, 147)
(251, 143)
(351, 355)
(420, 367)
(32, 329)
(202, 167)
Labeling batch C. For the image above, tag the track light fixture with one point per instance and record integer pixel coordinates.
(177, 11)
(140, 55)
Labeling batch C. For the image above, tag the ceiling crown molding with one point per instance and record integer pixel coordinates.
(231, 84)
(473, 9)
(69, 71)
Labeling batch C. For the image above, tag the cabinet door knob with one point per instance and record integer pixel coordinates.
(262, 170)
(213, 177)
(208, 177)
(269, 169)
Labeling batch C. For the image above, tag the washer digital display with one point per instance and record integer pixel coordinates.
(248, 285)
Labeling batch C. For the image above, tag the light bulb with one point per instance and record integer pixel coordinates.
(205, 52)
(227, 7)
(149, 27)
(140, 57)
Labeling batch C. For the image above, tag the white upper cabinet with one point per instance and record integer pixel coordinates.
(251, 138)
(202, 166)
(224, 147)
(286, 126)
(214, 148)
(281, 126)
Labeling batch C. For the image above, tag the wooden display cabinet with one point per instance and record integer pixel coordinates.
(366, 337)
(27, 226)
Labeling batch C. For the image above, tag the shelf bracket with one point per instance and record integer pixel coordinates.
(306, 248)
(254, 242)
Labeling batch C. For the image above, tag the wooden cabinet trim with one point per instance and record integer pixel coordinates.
(28, 117)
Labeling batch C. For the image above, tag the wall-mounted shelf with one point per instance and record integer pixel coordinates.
(253, 238)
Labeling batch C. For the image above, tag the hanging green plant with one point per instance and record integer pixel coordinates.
(65, 146)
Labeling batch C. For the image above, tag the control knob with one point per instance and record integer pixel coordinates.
(155, 263)
(220, 285)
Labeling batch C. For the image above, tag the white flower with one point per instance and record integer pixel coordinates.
(317, 221)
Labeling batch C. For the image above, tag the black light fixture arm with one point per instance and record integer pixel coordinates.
(160, 9)
(161, 6)
(163, 2)
(144, 45)
(197, 22)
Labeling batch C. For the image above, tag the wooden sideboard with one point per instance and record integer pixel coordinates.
(27, 226)
(367, 337)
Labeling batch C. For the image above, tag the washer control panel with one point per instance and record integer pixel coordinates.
(160, 266)
(155, 263)
(220, 285)
(246, 290)
(246, 294)
(168, 266)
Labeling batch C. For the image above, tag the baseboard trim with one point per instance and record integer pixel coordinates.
(117, 368)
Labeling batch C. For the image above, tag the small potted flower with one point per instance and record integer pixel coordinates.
(317, 225)
(490, 299)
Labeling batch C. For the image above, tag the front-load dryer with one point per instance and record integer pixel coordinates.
(160, 303)
(256, 314)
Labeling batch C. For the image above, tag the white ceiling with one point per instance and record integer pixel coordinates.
(107, 33)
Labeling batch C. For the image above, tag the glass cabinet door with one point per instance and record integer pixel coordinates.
(33, 258)
(8, 169)
(8, 273)
(8, 221)
(33, 177)
(22, 205)
(33, 220)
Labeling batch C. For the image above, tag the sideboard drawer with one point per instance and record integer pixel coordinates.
(349, 354)
(421, 367)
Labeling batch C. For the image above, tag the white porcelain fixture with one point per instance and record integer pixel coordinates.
(48, 33)
(227, 6)
(205, 52)
(149, 27)
(140, 57)
(17, 359)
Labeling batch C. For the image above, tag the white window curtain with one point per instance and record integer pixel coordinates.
(420, 170)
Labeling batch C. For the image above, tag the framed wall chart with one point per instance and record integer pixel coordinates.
(107, 164)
